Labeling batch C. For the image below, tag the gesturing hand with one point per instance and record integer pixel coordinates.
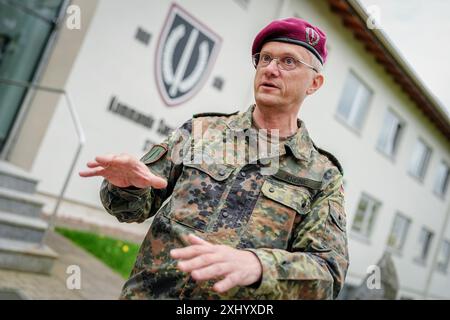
(123, 171)
(206, 261)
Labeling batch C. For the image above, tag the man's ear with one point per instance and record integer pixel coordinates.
(316, 84)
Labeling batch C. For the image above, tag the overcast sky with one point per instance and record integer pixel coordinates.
(421, 32)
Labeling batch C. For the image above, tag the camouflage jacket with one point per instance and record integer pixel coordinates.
(293, 219)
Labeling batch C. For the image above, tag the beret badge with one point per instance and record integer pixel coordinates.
(312, 37)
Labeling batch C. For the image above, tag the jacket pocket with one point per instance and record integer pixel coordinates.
(197, 194)
(279, 207)
(338, 215)
(296, 198)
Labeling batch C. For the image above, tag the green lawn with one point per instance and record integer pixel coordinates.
(117, 254)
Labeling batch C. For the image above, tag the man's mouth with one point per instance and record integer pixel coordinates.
(267, 84)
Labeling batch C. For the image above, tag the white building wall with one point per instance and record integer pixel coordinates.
(111, 62)
(368, 170)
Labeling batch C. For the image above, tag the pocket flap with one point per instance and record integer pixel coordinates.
(218, 172)
(290, 196)
(338, 215)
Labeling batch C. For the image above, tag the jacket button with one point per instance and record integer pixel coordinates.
(243, 174)
(225, 214)
(272, 190)
(222, 172)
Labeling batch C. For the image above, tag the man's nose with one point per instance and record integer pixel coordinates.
(272, 67)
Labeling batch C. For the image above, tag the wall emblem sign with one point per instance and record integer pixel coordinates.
(185, 55)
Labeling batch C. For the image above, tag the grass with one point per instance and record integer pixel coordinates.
(117, 254)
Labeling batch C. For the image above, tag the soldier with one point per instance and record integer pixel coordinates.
(227, 229)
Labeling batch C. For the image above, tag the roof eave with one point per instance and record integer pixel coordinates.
(377, 43)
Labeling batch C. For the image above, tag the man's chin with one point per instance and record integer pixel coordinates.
(266, 100)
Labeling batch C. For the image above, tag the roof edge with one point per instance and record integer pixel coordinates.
(385, 53)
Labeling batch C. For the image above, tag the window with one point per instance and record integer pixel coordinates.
(442, 177)
(420, 158)
(25, 28)
(444, 257)
(425, 238)
(365, 216)
(354, 102)
(398, 233)
(4, 40)
(390, 134)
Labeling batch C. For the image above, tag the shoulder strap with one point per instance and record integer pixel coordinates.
(330, 157)
(214, 114)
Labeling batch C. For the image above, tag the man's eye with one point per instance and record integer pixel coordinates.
(266, 58)
(289, 61)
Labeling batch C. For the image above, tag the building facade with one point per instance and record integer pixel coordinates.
(135, 70)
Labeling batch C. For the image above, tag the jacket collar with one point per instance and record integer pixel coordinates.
(300, 143)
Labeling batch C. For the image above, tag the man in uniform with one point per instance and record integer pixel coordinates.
(234, 229)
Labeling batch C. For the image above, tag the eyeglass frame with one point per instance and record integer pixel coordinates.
(278, 62)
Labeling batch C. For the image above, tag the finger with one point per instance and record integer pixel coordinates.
(193, 239)
(190, 252)
(105, 160)
(198, 262)
(226, 284)
(158, 182)
(212, 271)
(92, 173)
(93, 164)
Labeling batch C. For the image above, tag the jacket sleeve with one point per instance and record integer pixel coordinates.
(136, 205)
(316, 264)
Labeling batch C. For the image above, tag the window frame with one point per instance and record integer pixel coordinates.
(404, 236)
(345, 120)
(444, 270)
(367, 227)
(420, 178)
(439, 193)
(420, 259)
(401, 133)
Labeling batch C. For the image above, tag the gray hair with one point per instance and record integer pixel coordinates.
(314, 61)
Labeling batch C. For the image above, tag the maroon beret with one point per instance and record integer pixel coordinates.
(296, 31)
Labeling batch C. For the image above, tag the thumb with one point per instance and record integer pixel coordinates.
(158, 182)
(193, 240)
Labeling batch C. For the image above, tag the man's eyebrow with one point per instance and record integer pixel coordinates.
(289, 54)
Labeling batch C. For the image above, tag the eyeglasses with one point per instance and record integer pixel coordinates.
(286, 63)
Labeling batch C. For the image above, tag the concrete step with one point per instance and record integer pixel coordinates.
(21, 203)
(15, 178)
(18, 227)
(25, 256)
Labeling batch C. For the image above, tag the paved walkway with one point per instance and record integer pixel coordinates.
(98, 281)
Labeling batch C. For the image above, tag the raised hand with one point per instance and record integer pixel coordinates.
(123, 171)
